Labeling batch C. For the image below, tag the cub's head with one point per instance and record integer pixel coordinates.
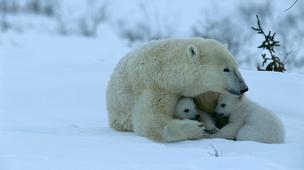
(227, 104)
(204, 65)
(185, 109)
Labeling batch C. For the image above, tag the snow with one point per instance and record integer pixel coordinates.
(137, 21)
(53, 114)
(52, 95)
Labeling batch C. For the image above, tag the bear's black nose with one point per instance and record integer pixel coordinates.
(244, 90)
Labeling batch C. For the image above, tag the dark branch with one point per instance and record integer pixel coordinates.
(291, 5)
(269, 44)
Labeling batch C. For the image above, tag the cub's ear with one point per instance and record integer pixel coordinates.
(193, 52)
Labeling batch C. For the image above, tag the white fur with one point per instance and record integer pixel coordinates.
(186, 109)
(248, 121)
(147, 83)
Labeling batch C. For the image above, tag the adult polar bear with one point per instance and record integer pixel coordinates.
(147, 83)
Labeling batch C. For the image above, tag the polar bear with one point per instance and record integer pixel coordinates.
(186, 109)
(248, 121)
(147, 82)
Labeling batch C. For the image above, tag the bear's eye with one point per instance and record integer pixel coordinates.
(223, 105)
(186, 110)
(226, 70)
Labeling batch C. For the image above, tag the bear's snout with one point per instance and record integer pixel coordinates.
(244, 90)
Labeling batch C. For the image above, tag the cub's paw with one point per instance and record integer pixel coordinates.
(205, 133)
(211, 131)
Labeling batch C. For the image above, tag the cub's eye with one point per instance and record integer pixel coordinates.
(226, 70)
(186, 110)
(223, 105)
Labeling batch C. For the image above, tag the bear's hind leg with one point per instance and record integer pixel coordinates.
(252, 133)
(120, 101)
(259, 134)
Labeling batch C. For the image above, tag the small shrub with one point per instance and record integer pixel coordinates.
(88, 24)
(150, 27)
(41, 7)
(273, 62)
(224, 30)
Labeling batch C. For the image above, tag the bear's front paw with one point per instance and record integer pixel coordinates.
(194, 129)
(205, 133)
(184, 129)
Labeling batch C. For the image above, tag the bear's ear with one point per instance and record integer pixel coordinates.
(193, 52)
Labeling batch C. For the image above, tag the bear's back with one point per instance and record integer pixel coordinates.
(145, 64)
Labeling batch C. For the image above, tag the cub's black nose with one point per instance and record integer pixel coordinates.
(219, 114)
(197, 116)
(244, 90)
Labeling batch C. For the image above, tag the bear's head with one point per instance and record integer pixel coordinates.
(203, 65)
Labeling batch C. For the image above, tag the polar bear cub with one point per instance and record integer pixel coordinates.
(248, 121)
(186, 109)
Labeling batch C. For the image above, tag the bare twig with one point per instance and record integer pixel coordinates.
(216, 153)
(291, 5)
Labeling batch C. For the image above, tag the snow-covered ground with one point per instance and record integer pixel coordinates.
(137, 21)
(53, 114)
